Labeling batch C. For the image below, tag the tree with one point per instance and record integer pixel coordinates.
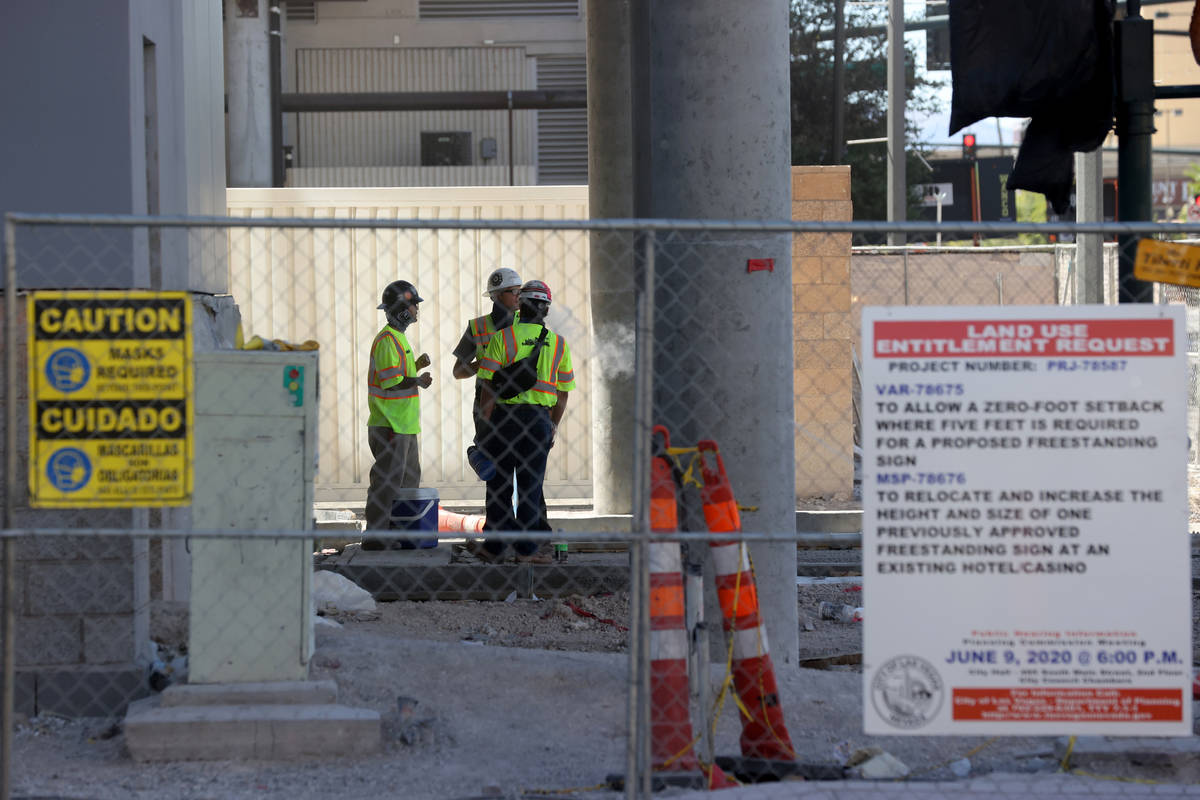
(865, 90)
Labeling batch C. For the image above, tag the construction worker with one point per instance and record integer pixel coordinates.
(503, 286)
(519, 431)
(395, 407)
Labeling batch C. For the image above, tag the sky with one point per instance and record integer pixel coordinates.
(934, 129)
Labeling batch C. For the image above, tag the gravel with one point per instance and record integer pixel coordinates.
(511, 698)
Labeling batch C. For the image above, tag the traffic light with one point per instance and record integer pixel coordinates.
(968, 145)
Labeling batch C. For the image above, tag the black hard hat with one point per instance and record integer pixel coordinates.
(398, 295)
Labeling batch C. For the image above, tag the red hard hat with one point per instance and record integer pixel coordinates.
(535, 290)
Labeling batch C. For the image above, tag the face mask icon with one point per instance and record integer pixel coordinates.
(68, 370)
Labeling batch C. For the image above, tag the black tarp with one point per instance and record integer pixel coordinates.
(1049, 60)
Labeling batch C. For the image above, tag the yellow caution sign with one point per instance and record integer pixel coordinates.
(1167, 262)
(110, 399)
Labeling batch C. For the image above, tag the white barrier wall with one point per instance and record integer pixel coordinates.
(324, 284)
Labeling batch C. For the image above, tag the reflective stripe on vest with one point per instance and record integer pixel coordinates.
(376, 377)
(508, 336)
(551, 386)
(482, 331)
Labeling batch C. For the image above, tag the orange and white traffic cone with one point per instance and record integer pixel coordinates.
(764, 733)
(453, 522)
(671, 739)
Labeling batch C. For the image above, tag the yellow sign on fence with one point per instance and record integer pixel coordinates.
(1167, 262)
(110, 399)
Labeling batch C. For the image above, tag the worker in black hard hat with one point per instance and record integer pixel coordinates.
(395, 407)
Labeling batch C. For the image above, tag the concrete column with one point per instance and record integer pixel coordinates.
(720, 148)
(248, 92)
(1089, 247)
(610, 196)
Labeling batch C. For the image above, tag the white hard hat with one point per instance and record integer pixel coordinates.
(502, 278)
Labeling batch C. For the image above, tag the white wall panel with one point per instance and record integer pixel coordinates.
(479, 175)
(301, 283)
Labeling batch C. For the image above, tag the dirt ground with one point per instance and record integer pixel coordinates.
(512, 699)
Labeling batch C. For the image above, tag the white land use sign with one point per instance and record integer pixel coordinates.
(1025, 546)
(110, 399)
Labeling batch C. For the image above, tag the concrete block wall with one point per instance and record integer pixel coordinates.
(82, 602)
(822, 330)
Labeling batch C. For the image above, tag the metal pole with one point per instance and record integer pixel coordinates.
(639, 580)
(637, 770)
(276, 56)
(511, 181)
(1089, 247)
(975, 215)
(839, 81)
(1135, 124)
(10, 500)
(897, 205)
(940, 197)
(10, 630)
(698, 647)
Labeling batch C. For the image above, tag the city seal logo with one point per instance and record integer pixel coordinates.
(907, 692)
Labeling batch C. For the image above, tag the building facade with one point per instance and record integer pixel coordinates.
(434, 46)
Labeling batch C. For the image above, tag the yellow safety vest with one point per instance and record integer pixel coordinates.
(482, 330)
(391, 362)
(554, 369)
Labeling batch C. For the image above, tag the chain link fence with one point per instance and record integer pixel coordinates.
(190, 568)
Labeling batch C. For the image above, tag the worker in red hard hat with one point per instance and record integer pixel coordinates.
(395, 407)
(519, 424)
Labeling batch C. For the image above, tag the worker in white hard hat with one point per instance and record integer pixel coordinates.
(521, 414)
(503, 286)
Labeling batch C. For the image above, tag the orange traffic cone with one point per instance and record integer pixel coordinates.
(764, 733)
(450, 521)
(671, 736)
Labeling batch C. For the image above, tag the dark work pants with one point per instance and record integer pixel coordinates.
(518, 443)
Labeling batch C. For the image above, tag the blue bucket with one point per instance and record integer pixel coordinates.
(415, 510)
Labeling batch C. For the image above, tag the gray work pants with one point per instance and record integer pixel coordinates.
(397, 466)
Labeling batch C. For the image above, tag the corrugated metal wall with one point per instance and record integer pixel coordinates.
(393, 138)
(562, 136)
(409, 176)
(298, 284)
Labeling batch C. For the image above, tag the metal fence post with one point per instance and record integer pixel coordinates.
(637, 772)
(10, 497)
(1135, 125)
